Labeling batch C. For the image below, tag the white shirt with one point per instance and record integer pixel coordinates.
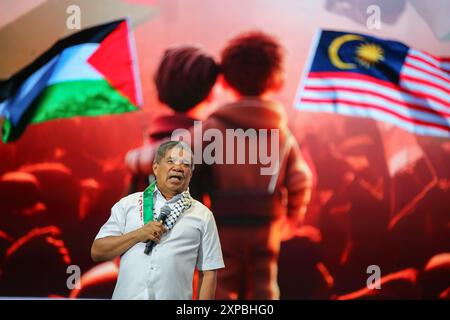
(159, 201)
(167, 273)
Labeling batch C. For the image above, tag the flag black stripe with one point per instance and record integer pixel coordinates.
(94, 34)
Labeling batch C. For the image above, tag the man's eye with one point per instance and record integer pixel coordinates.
(170, 161)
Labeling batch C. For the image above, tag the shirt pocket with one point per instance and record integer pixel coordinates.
(133, 220)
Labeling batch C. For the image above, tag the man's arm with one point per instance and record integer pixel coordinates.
(207, 284)
(111, 247)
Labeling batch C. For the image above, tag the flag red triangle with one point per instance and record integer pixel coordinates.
(114, 60)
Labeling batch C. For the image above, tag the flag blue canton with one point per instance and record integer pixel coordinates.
(393, 55)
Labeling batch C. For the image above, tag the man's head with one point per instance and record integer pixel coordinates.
(252, 64)
(173, 166)
(185, 77)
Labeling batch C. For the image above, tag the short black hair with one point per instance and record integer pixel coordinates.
(185, 77)
(250, 61)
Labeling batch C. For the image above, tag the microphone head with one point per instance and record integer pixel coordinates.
(165, 211)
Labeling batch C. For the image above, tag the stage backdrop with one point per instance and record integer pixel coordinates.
(60, 179)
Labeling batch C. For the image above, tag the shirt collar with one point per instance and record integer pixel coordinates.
(158, 193)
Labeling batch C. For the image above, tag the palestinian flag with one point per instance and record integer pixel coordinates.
(90, 73)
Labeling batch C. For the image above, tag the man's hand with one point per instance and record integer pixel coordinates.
(151, 231)
(111, 247)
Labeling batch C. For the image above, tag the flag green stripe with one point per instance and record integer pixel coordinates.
(6, 130)
(79, 98)
(70, 99)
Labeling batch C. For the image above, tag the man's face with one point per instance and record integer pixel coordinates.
(174, 172)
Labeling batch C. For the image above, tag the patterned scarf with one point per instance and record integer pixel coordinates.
(177, 206)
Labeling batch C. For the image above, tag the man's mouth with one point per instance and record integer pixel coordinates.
(176, 177)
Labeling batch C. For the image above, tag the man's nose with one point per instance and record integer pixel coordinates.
(177, 167)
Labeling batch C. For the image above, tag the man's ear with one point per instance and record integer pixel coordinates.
(155, 168)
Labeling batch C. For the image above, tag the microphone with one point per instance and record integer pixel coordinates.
(165, 211)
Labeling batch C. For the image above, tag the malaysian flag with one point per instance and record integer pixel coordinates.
(363, 76)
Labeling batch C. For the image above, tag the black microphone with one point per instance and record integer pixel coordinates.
(165, 211)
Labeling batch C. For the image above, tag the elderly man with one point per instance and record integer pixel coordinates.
(187, 238)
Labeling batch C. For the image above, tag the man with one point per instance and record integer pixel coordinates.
(254, 210)
(187, 239)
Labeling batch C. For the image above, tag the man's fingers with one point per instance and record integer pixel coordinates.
(156, 232)
(156, 235)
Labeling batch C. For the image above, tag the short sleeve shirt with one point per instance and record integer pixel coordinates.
(167, 273)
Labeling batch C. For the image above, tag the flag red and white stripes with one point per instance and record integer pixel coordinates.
(419, 102)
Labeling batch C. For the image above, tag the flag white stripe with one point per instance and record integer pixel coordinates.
(3, 111)
(367, 98)
(28, 91)
(430, 59)
(72, 65)
(426, 67)
(414, 86)
(426, 76)
(348, 110)
(372, 86)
